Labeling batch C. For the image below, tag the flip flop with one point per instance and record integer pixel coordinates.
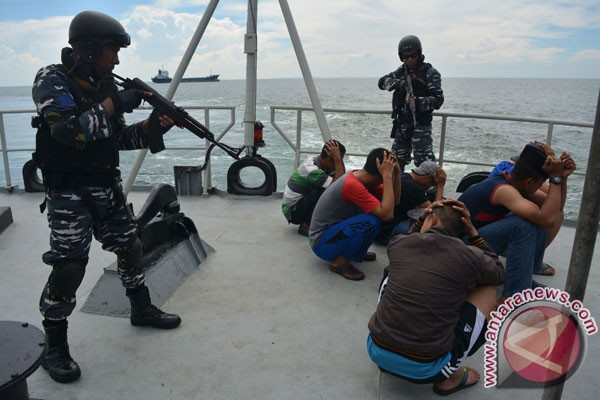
(461, 385)
(348, 271)
(547, 270)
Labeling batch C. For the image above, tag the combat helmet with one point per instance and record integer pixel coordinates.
(91, 30)
(409, 43)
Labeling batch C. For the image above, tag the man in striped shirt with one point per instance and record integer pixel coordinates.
(308, 182)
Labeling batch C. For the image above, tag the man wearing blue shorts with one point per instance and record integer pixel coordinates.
(434, 301)
(348, 215)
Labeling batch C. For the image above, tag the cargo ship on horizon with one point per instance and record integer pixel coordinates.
(163, 77)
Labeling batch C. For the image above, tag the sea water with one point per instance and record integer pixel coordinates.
(474, 140)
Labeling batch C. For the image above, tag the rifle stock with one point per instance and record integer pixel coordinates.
(410, 96)
(177, 114)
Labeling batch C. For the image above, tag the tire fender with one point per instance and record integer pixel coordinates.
(235, 184)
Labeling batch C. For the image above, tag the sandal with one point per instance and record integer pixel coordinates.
(303, 230)
(547, 270)
(370, 256)
(348, 271)
(461, 385)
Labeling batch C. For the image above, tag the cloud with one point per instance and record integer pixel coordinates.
(506, 50)
(588, 54)
(341, 38)
(9, 57)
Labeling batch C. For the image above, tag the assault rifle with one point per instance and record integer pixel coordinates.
(410, 96)
(181, 118)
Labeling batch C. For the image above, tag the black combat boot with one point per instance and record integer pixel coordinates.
(58, 361)
(143, 313)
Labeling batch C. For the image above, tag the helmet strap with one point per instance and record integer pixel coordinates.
(79, 70)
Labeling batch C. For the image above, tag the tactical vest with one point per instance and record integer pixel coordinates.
(400, 109)
(64, 166)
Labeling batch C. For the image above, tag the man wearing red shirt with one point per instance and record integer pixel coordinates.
(348, 215)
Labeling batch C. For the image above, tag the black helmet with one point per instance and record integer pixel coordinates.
(91, 30)
(408, 43)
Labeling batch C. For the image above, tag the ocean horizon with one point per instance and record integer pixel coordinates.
(477, 140)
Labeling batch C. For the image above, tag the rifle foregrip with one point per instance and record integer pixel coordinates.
(177, 114)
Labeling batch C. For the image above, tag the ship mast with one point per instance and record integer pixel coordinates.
(250, 48)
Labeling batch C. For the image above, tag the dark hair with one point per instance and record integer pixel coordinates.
(371, 163)
(341, 147)
(450, 219)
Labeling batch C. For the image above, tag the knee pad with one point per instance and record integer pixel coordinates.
(130, 255)
(66, 277)
(58, 297)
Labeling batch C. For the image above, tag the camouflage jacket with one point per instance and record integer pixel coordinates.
(427, 88)
(88, 140)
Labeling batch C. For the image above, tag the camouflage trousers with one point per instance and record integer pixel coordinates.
(418, 139)
(73, 217)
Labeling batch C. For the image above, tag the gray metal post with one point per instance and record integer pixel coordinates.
(585, 235)
(185, 61)
(250, 48)
(5, 153)
(308, 80)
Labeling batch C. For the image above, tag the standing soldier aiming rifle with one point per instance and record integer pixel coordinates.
(80, 132)
(417, 87)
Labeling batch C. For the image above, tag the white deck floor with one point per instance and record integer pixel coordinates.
(263, 318)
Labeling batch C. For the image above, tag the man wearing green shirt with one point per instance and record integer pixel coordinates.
(306, 184)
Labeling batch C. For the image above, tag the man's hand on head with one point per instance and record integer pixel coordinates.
(547, 149)
(332, 149)
(553, 166)
(387, 165)
(459, 206)
(568, 163)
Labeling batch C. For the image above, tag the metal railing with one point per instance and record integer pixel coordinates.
(6, 148)
(297, 146)
(296, 143)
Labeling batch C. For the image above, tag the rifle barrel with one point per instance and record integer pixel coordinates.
(178, 114)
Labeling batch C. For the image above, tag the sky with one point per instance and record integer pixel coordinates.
(340, 38)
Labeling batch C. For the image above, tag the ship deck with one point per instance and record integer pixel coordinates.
(263, 318)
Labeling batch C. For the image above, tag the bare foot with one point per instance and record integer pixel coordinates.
(455, 380)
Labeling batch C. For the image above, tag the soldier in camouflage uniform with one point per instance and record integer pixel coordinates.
(428, 96)
(80, 132)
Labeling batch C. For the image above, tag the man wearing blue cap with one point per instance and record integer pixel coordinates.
(512, 213)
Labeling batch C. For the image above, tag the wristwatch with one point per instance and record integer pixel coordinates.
(557, 180)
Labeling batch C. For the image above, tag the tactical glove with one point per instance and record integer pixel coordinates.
(126, 100)
(393, 84)
(155, 133)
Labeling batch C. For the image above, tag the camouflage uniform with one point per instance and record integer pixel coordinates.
(427, 88)
(80, 169)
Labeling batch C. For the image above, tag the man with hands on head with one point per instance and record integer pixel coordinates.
(415, 194)
(308, 182)
(518, 215)
(348, 215)
(434, 301)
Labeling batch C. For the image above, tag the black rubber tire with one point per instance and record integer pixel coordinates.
(234, 181)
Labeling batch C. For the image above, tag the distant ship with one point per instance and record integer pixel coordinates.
(163, 77)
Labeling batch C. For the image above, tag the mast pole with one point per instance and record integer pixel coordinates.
(185, 61)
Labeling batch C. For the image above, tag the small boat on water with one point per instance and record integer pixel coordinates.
(163, 77)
